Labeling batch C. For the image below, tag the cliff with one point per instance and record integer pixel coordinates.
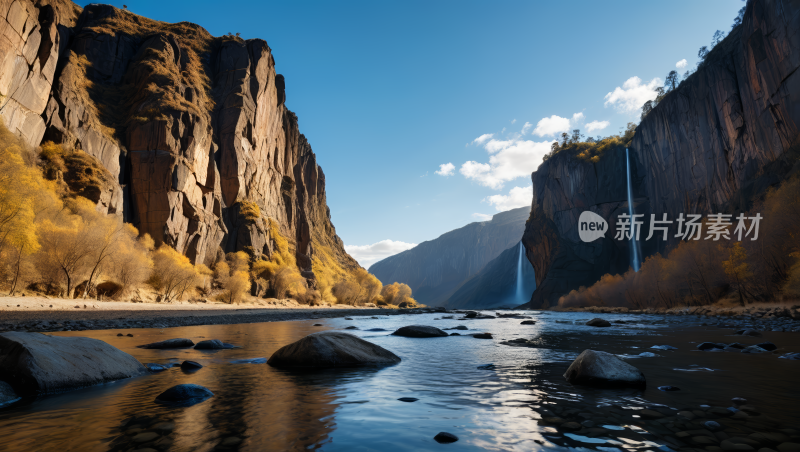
(721, 134)
(193, 129)
(495, 285)
(435, 269)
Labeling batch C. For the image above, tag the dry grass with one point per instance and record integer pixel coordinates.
(191, 38)
(249, 210)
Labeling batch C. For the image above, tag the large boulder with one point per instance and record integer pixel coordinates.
(34, 363)
(599, 323)
(169, 343)
(419, 331)
(603, 370)
(331, 349)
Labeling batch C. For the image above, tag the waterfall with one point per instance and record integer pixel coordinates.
(520, 295)
(634, 243)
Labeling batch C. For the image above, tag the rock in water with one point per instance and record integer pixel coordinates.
(213, 344)
(7, 394)
(754, 349)
(331, 349)
(419, 331)
(153, 367)
(408, 399)
(33, 363)
(748, 332)
(444, 437)
(598, 322)
(169, 343)
(185, 395)
(482, 335)
(664, 347)
(768, 346)
(191, 365)
(604, 370)
(528, 322)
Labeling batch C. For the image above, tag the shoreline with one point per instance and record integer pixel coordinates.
(40, 314)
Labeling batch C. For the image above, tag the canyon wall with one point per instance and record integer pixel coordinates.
(435, 269)
(193, 128)
(701, 147)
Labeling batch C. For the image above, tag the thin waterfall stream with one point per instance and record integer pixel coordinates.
(634, 245)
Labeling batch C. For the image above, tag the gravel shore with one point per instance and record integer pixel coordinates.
(45, 314)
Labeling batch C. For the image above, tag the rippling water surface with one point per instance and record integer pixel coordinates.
(357, 409)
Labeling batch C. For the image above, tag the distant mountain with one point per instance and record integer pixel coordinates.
(437, 268)
(496, 284)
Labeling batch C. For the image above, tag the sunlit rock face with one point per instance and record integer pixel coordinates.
(701, 150)
(192, 128)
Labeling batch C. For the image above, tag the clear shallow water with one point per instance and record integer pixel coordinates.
(355, 409)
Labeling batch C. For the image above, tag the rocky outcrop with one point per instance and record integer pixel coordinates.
(437, 268)
(331, 349)
(33, 34)
(34, 363)
(201, 150)
(496, 284)
(706, 144)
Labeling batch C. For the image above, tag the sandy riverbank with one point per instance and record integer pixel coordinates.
(54, 314)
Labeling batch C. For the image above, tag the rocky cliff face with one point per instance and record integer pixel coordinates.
(436, 268)
(193, 128)
(695, 152)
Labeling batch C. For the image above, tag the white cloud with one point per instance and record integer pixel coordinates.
(367, 255)
(632, 95)
(446, 169)
(513, 121)
(596, 125)
(517, 197)
(509, 160)
(554, 124)
(482, 216)
(526, 127)
(551, 126)
(681, 64)
(483, 138)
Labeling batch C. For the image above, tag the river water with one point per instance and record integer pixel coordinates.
(259, 408)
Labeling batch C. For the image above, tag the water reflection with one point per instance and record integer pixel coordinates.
(258, 408)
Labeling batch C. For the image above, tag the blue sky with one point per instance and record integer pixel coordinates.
(387, 91)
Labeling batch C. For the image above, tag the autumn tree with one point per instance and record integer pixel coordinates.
(233, 276)
(173, 273)
(737, 270)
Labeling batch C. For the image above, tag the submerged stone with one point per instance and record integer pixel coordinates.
(169, 343)
(419, 331)
(213, 344)
(185, 394)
